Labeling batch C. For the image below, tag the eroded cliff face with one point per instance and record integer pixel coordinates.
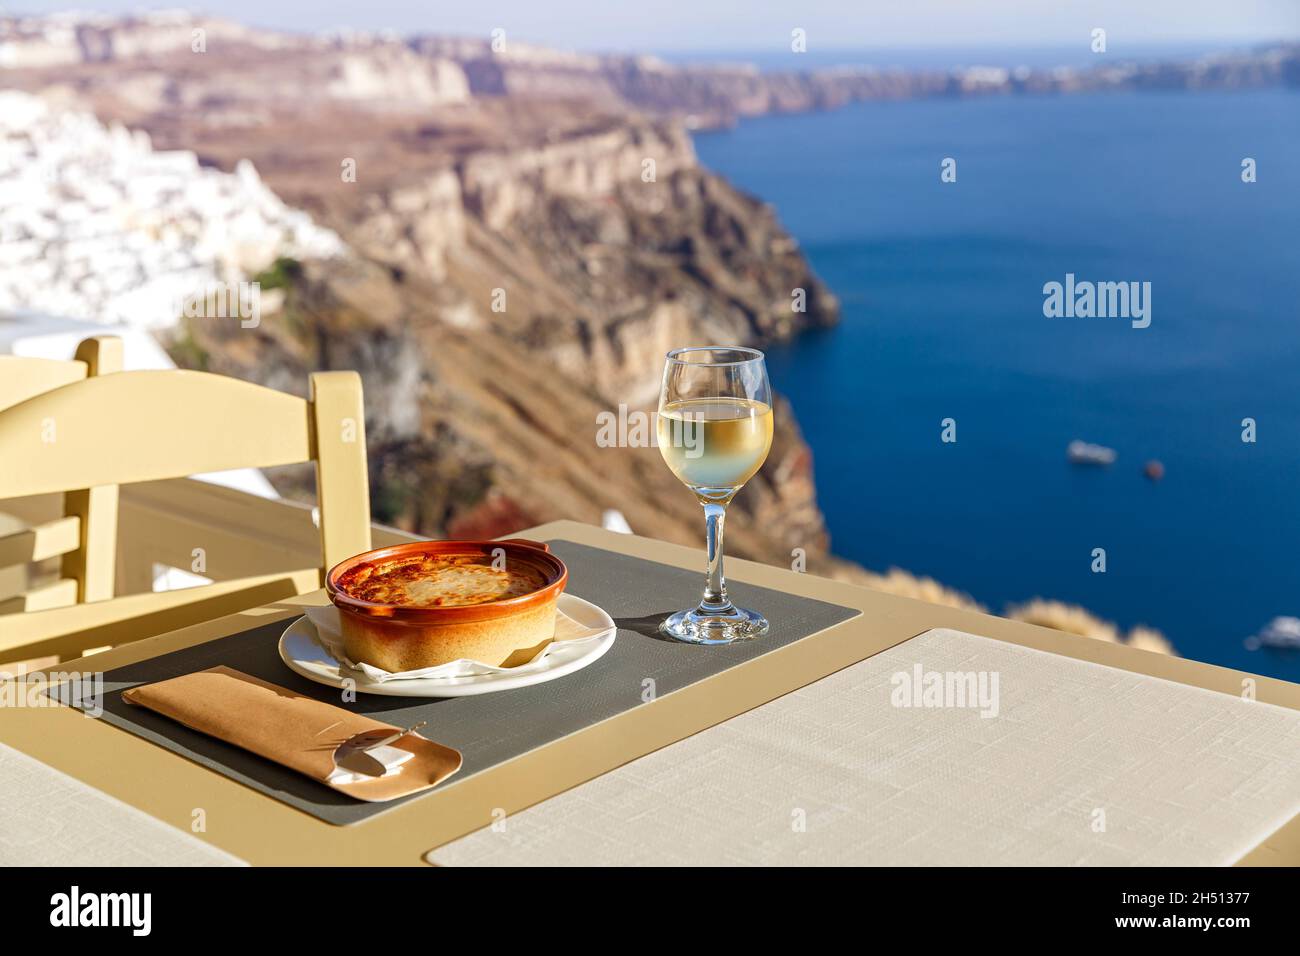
(414, 225)
(612, 248)
(470, 435)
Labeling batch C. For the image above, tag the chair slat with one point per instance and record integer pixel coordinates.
(339, 448)
(140, 426)
(45, 597)
(70, 631)
(41, 541)
(94, 564)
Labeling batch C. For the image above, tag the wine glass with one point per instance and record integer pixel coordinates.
(714, 431)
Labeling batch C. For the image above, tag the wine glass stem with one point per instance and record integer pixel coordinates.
(715, 585)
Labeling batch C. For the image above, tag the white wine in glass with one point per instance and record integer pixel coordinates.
(714, 432)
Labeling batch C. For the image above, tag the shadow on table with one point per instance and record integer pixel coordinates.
(646, 626)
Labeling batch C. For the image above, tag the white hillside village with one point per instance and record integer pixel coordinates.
(99, 226)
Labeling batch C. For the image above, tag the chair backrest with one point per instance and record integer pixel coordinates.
(22, 377)
(84, 537)
(105, 431)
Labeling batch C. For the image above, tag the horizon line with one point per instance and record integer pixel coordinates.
(939, 46)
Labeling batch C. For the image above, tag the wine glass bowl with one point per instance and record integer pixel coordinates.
(714, 432)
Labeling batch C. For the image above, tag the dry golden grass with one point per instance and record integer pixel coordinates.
(1054, 614)
(1149, 639)
(1075, 620)
(1064, 617)
(903, 584)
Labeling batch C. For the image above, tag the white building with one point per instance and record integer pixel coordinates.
(98, 226)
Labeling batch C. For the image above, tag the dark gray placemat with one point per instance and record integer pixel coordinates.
(491, 728)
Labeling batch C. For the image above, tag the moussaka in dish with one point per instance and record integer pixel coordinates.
(426, 603)
(435, 580)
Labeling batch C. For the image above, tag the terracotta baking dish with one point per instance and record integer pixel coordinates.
(396, 637)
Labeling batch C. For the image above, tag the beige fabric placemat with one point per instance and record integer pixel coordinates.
(50, 819)
(1081, 765)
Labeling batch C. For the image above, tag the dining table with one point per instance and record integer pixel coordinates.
(835, 739)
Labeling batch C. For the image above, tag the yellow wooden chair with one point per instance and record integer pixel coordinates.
(25, 543)
(88, 437)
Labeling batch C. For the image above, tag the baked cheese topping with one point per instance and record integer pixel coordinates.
(430, 580)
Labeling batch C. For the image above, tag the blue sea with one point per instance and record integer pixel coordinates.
(941, 286)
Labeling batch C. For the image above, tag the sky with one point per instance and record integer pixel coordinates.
(757, 25)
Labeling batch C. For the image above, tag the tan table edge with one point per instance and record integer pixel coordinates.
(270, 832)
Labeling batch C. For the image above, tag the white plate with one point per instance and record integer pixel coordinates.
(305, 655)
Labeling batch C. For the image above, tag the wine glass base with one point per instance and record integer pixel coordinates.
(701, 627)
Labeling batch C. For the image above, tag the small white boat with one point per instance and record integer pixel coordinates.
(1084, 453)
(1280, 632)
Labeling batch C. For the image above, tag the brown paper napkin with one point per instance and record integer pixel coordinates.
(295, 731)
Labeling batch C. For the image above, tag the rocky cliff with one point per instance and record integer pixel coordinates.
(712, 95)
(471, 435)
(515, 269)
